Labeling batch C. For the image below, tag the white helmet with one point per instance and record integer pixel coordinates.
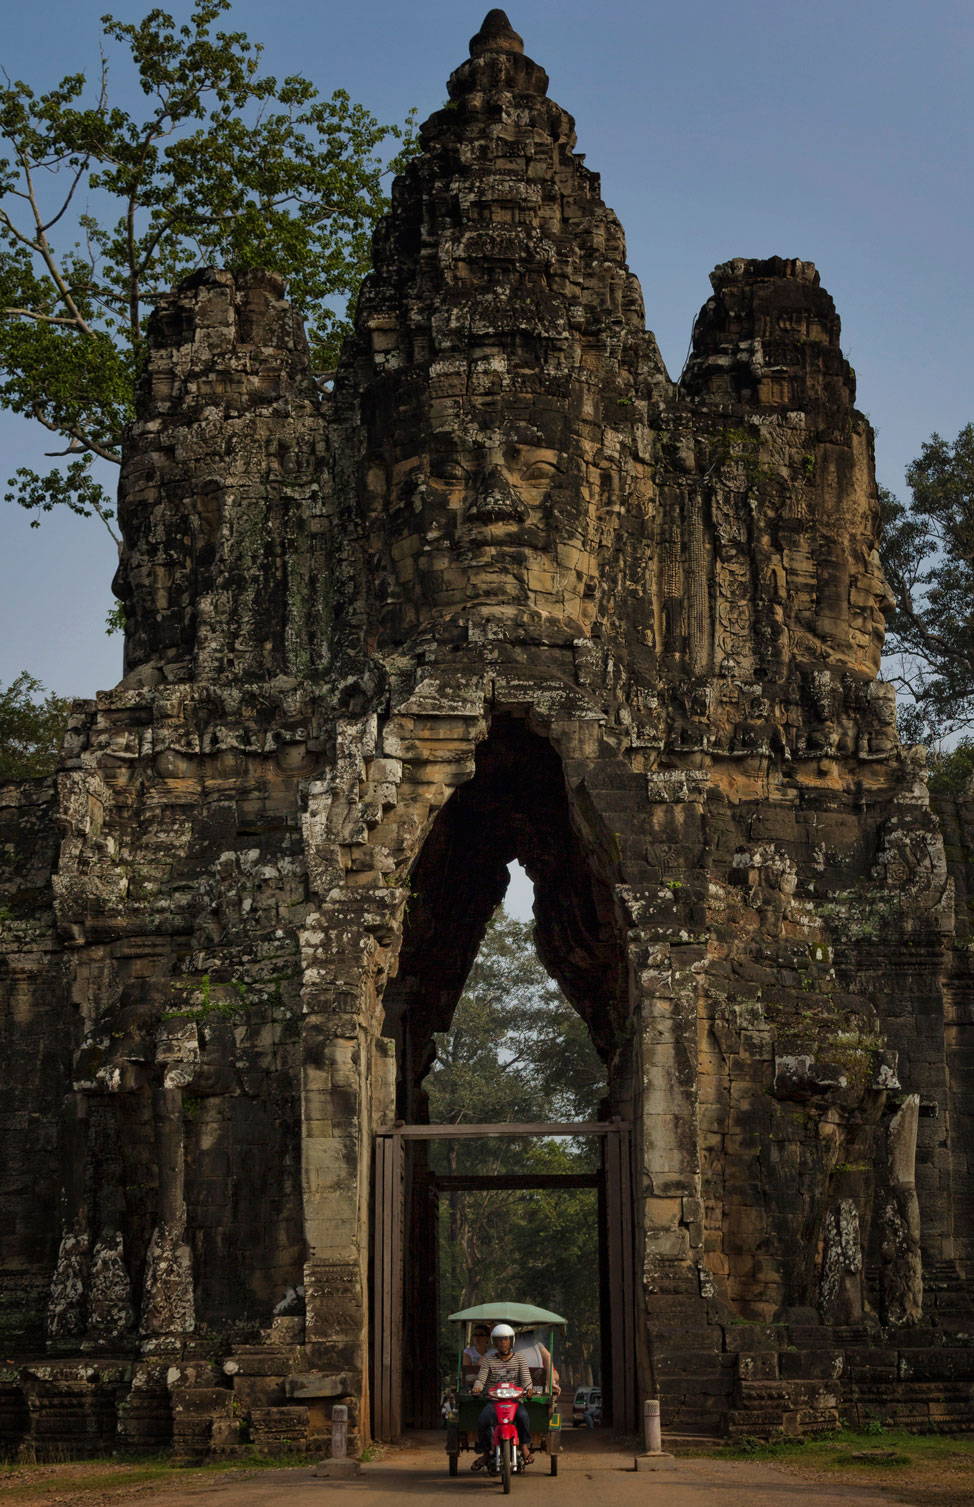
(501, 1332)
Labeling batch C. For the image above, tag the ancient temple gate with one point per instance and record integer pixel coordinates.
(507, 591)
(392, 1206)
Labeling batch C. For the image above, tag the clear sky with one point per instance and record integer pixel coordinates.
(841, 133)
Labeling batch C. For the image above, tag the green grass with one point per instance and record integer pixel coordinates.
(71, 1478)
(878, 1448)
(22, 1479)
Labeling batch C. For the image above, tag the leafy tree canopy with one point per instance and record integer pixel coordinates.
(952, 772)
(102, 210)
(517, 1051)
(31, 728)
(928, 555)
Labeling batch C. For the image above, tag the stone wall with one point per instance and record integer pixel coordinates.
(507, 591)
(37, 1032)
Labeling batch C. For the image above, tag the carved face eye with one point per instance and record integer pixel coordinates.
(449, 473)
(539, 474)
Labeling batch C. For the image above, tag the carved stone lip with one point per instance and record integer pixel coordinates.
(496, 510)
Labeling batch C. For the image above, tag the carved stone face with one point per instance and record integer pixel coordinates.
(482, 519)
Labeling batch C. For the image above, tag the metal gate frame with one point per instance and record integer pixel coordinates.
(389, 1253)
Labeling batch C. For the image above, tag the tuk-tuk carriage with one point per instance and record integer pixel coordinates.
(465, 1408)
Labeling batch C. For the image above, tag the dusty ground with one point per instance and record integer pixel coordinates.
(592, 1468)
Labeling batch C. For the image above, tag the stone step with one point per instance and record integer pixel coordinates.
(756, 1419)
(908, 1391)
(276, 1430)
(812, 1421)
(765, 1391)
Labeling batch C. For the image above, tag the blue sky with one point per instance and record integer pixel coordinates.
(839, 133)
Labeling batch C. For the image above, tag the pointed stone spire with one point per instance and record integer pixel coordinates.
(496, 35)
(499, 343)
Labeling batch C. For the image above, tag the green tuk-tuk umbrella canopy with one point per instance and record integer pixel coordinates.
(509, 1313)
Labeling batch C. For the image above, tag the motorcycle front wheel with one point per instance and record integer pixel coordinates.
(506, 1465)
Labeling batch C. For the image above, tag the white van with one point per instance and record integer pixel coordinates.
(585, 1398)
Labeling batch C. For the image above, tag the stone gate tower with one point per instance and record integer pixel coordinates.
(507, 591)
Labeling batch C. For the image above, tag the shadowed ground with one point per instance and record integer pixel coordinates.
(592, 1469)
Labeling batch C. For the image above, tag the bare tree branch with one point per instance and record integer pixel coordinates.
(40, 318)
(86, 441)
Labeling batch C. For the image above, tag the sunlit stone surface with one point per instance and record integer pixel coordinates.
(507, 591)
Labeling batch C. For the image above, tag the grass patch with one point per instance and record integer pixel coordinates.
(19, 1482)
(38, 1481)
(873, 1449)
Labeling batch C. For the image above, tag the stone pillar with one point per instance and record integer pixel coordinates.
(335, 1172)
(67, 1306)
(840, 1300)
(669, 1143)
(167, 1303)
(335, 1177)
(901, 1271)
(110, 1315)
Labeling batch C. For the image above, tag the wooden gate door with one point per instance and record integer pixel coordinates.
(616, 1237)
(387, 1268)
(617, 1203)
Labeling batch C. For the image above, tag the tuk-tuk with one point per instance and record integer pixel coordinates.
(465, 1408)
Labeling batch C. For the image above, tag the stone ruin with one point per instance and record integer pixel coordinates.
(505, 590)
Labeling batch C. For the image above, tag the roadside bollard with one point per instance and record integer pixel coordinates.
(338, 1466)
(651, 1428)
(339, 1431)
(654, 1457)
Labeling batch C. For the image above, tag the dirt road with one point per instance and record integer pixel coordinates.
(592, 1473)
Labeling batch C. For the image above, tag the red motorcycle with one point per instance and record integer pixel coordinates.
(507, 1458)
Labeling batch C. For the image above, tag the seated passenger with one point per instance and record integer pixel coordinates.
(538, 1357)
(479, 1345)
(502, 1366)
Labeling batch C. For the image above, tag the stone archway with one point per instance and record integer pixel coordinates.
(516, 806)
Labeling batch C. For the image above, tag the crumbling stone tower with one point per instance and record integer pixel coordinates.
(508, 591)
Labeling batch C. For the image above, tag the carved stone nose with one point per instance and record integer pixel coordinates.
(496, 501)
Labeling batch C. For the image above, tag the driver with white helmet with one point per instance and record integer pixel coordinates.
(502, 1365)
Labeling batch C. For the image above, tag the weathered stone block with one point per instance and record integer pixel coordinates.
(304, 1385)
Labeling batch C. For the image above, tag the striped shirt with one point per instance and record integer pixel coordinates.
(500, 1368)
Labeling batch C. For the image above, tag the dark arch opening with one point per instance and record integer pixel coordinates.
(515, 807)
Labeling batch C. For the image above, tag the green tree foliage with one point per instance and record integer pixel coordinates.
(952, 772)
(31, 728)
(516, 1051)
(102, 210)
(928, 556)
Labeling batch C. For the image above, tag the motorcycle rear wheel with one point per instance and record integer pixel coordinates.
(506, 1465)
